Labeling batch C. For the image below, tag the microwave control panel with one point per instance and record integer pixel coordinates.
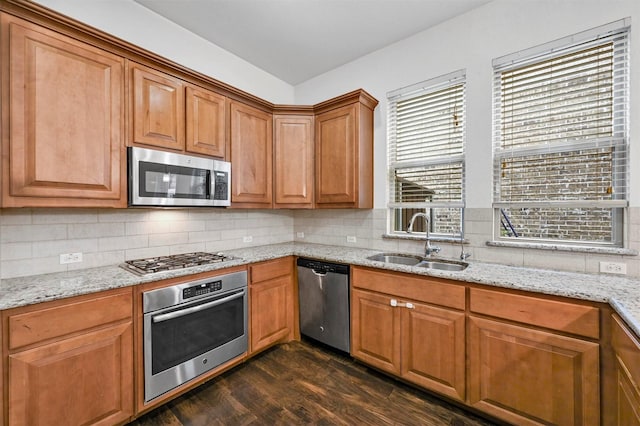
(221, 185)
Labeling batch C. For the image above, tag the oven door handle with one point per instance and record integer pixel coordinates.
(191, 310)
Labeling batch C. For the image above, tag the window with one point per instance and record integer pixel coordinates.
(560, 140)
(426, 155)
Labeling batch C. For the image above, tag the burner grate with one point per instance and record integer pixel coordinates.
(168, 263)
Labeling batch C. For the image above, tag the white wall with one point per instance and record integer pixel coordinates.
(470, 42)
(138, 25)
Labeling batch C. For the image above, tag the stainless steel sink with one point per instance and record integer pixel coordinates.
(400, 259)
(443, 265)
(413, 260)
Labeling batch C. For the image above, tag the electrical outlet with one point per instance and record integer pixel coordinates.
(70, 258)
(299, 234)
(247, 239)
(613, 268)
(351, 238)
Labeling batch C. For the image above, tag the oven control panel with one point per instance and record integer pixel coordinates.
(200, 289)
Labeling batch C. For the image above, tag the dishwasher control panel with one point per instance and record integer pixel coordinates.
(323, 267)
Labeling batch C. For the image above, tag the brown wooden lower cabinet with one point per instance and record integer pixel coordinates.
(375, 330)
(70, 362)
(271, 299)
(531, 377)
(627, 370)
(417, 341)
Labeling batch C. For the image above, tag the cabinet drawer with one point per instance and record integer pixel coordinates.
(627, 347)
(423, 289)
(271, 269)
(48, 323)
(562, 316)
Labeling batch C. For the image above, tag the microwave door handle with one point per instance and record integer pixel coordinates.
(193, 309)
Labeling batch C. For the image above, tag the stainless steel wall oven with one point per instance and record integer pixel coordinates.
(191, 328)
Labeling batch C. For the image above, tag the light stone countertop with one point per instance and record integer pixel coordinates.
(622, 293)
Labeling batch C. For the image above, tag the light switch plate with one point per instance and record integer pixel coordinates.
(351, 239)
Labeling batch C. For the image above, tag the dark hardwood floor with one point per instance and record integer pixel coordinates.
(299, 384)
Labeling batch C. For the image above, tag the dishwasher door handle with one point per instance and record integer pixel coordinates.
(320, 274)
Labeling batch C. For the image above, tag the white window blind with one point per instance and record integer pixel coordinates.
(426, 153)
(560, 140)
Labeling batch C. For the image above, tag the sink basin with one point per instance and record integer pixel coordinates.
(421, 262)
(400, 259)
(443, 265)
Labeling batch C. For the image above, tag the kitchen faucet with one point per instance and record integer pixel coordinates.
(428, 248)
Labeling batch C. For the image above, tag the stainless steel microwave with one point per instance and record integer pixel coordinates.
(167, 179)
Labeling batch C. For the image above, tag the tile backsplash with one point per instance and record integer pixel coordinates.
(31, 240)
(333, 227)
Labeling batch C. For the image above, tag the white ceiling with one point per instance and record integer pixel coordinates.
(296, 40)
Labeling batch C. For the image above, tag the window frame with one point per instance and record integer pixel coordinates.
(618, 141)
(394, 208)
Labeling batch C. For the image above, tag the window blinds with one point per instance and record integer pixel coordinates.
(560, 126)
(426, 144)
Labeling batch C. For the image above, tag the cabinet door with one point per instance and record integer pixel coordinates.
(627, 370)
(86, 379)
(158, 108)
(205, 114)
(271, 310)
(433, 349)
(375, 330)
(628, 398)
(64, 142)
(293, 161)
(251, 156)
(336, 164)
(530, 377)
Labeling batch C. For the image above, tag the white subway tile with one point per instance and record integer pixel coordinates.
(204, 236)
(122, 243)
(168, 239)
(15, 216)
(70, 216)
(168, 215)
(169, 227)
(129, 215)
(13, 251)
(23, 233)
(137, 228)
(90, 230)
(26, 267)
(219, 225)
(142, 253)
(58, 247)
(504, 256)
(187, 248)
(573, 262)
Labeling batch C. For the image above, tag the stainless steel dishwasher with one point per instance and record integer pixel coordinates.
(324, 302)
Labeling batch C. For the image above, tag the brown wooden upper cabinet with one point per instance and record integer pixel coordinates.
(293, 161)
(251, 156)
(64, 120)
(344, 151)
(167, 112)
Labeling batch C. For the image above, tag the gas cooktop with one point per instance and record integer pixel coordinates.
(176, 261)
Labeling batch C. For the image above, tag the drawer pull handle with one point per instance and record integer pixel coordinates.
(395, 303)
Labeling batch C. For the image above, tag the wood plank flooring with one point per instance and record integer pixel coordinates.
(299, 383)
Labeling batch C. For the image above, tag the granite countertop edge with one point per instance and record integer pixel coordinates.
(621, 293)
